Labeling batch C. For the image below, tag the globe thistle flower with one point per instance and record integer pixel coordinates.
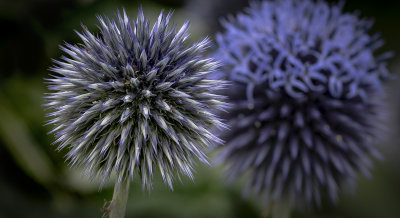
(135, 98)
(306, 94)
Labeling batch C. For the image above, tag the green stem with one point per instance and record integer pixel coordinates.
(281, 209)
(120, 197)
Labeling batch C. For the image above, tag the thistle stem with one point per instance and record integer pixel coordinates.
(281, 209)
(119, 200)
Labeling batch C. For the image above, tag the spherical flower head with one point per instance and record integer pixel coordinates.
(306, 98)
(134, 98)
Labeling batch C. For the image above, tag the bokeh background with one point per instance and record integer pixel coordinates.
(35, 181)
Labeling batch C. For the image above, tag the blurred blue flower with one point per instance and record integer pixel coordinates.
(306, 95)
(135, 98)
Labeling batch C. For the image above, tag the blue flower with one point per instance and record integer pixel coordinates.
(306, 95)
(135, 98)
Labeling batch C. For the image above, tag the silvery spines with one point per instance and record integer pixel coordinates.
(135, 98)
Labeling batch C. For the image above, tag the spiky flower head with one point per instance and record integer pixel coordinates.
(134, 98)
(306, 96)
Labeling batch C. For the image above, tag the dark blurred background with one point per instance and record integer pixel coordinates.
(35, 181)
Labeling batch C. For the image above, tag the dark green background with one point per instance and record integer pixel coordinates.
(35, 181)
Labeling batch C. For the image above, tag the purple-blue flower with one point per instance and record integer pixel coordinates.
(135, 98)
(306, 98)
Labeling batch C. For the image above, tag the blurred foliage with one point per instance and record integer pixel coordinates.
(35, 181)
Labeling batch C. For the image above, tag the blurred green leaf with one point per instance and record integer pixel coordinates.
(22, 146)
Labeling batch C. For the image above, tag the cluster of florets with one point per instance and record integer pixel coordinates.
(305, 94)
(135, 98)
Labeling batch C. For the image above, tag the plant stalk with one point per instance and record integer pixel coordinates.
(119, 200)
(281, 209)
